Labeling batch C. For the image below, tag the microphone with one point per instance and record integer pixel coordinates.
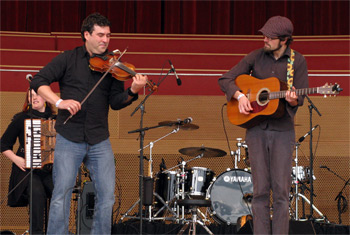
(29, 77)
(301, 139)
(185, 121)
(248, 197)
(178, 80)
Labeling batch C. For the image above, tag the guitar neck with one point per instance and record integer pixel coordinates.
(302, 91)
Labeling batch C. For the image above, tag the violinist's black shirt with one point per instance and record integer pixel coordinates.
(71, 70)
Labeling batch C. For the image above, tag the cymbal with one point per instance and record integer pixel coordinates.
(207, 152)
(188, 126)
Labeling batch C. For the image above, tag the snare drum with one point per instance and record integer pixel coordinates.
(231, 195)
(197, 181)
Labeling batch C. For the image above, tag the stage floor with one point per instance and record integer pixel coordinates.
(296, 227)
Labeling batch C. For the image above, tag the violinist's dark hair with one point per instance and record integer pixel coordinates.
(91, 20)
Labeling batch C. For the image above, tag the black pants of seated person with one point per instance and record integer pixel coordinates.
(42, 191)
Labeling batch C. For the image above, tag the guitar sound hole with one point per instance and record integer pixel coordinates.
(263, 97)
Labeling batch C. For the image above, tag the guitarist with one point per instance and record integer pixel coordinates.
(271, 142)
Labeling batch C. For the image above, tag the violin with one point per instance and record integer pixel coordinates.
(110, 64)
(122, 71)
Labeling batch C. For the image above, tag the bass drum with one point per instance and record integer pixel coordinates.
(231, 195)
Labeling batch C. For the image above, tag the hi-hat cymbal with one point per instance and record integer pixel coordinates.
(188, 126)
(207, 152)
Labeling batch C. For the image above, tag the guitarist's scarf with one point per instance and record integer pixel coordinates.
(290, 69)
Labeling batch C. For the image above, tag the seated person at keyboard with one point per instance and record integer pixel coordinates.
(42, 178)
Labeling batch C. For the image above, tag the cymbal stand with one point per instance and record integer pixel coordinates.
(296, 182)
(151, 144)
(150, 173)
(237, 153)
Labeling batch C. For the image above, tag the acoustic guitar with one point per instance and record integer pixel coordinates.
(264, 96)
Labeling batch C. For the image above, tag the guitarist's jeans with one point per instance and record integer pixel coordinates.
(270, 154)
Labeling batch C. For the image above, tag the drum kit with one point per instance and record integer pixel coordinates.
(226, 197)
(179, 194)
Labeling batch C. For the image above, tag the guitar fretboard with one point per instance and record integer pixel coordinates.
(302, 91)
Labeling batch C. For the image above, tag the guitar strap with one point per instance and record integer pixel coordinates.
(290, 69)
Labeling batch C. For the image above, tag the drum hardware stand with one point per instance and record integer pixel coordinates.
(165, 204)
(295, 181)
(340, 198)
(297, 194)
(150, 218)
(194, 220)
(151, 144)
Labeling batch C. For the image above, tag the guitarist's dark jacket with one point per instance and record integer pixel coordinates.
(263, 65)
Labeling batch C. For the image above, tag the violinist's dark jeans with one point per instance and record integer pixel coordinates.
(99, 159)
(42, 191)
(270, 155)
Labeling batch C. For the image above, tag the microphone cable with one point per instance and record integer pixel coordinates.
(226, 136)
(239, 183)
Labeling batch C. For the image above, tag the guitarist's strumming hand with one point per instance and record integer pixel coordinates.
(243, 103)
(291, 97)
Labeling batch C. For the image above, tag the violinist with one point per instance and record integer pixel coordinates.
(84, 137)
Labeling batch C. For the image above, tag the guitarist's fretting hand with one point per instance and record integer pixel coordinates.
(291, 97)
(243, 103)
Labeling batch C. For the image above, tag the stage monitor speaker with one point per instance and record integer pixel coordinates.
(87, 208)
(295, 227)
(301, 227)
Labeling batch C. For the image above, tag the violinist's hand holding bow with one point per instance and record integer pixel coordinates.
(72, 106)
(139, 81)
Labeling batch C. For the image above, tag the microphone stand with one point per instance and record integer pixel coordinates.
(78, 191)
(311, 107)
(31, 160)
(340, 196)
(142, 136)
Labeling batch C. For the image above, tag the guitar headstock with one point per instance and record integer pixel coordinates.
(329, 89)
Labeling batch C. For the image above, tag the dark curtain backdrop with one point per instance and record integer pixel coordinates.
(324, 17)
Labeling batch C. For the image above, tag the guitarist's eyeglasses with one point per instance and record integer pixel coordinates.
(270, 39)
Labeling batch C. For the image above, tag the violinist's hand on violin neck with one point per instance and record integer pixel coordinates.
(139, 81)
(72, 106)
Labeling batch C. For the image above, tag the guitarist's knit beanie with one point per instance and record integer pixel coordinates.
(277, 26)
